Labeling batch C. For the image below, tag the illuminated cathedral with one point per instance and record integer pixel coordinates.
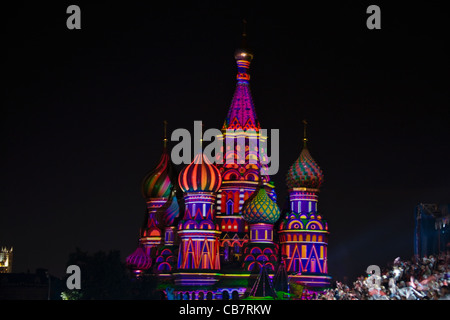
(211, 229)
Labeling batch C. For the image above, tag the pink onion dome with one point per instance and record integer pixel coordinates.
(259, 208)
(139, 260)
(200, 176)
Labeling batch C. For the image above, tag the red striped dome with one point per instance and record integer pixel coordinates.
(200, 176)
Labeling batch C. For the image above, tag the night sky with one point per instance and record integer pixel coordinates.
(82, 115)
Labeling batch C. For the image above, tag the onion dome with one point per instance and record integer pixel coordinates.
(259, 208)
(158, 182)
(304, 172)
(139, 260)
(200, 176)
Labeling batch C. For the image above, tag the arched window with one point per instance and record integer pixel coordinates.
(225, 295)
(201, 295)
(230, 206)
(236, 248)
(209, 295)
(235, 295)
(226, 251)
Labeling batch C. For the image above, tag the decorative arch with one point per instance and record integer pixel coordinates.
(295, 224)
(249, 258)
(251, 177)
(252, 265)
(231, 174)
(164, 266)
(206, 225)
(166, 252)
(256, 250)
(314, 225)
(190, 225)
(262, 258)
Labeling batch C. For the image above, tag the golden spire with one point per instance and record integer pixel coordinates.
(165, 133)
(304, 133)
(244, 25)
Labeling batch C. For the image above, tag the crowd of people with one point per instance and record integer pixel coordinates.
(419, 279)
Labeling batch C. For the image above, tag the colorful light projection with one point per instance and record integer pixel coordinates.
(195, 249)
(241, 114)
(304, 172)
(138, 261)
(241, 167)
(200, 175)
(159, 189)
(198, 232)
(303, 234)
(261, 213)
(303, 240)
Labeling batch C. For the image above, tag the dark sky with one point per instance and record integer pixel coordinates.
(82, 115)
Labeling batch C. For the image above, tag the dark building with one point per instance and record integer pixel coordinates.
(30, 286)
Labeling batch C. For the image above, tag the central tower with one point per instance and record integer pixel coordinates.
(244, 156)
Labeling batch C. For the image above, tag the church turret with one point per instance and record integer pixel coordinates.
(303, 233)
(159, 190)
(261, 213)
(199, 234)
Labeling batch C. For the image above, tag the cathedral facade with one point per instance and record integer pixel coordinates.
(210, 229)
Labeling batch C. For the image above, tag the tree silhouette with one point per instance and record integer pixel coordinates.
(105, 277)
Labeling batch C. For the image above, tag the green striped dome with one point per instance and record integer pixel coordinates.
(260, 208)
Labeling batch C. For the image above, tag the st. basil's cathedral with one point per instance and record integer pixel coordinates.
(212, 231)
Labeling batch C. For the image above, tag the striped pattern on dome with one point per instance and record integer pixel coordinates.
(172, 211)
(259, 208)
(200, 176)
(157, 183)
(304, 172)
(139, 260)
